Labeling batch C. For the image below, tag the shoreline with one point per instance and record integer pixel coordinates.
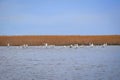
(58, 40)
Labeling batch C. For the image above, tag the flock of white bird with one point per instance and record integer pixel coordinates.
(70, 46)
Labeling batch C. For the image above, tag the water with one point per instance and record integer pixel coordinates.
(59, 63)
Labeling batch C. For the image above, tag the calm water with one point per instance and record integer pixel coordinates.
(59, 63)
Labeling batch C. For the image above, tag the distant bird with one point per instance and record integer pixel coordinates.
(71, 46)
(104, 45)
(8, 44)
(46, 45)
(76, 45)
(25, 46)
(91, 45)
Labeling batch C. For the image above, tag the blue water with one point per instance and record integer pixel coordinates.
(59, 63)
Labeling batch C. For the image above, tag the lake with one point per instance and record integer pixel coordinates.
(60, 63)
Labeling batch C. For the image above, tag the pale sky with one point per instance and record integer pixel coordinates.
(59, 17)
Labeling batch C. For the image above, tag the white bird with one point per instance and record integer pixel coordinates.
(104, 45)
(8, 44)
(26, 45)
(71, 46)
(76, 45)
(46, 45)
(91, 45)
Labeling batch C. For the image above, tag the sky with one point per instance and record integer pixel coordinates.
(59, 17)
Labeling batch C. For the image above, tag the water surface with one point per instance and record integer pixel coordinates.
(59, 63)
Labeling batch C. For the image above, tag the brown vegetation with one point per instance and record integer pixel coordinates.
(59, 40)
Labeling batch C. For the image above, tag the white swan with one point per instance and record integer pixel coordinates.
(8, 44)
(104, 45)
(91, 45)
(76, 45)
